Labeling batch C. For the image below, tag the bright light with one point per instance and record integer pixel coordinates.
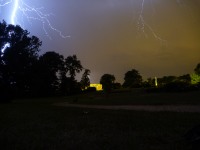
(4, 48)
(19, 7)
(2, 3)
(156, 82)
(97, 86)
(13, 16)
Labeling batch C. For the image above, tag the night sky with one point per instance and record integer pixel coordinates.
(108, 36)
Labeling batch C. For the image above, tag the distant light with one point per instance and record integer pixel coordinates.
(156, 82)
(97, 86)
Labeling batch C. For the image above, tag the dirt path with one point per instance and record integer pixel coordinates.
(151, 108)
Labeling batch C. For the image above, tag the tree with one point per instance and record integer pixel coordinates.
(73, 66)
(195, 78)
(19, 53)
(185, 78)
(3, 37)
(132, 79)
(107, 81)
(166, 80)
(197, 69)
(85, 80)
(68, 84)
(117, 85)
(49, 66)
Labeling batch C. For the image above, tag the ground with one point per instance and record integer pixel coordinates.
(40, 124)
(151, 108)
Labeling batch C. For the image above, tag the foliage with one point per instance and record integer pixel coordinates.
(149, 83)
(166, 80)
(73, 66)
(117, 85)
(91, 89)
(132, 79)
(24, 73)
(68, 84)
(85, 80)
(18, 58)
(107, 81)
(46, 78)
(177, 86)
(195, 78)
(197, 69)
(185, 78)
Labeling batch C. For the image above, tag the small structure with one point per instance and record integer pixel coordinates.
(97, 86)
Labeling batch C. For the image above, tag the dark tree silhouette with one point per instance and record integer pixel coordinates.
(166, 80)
(132, 79)
(68, 83)
(49, 66)
(18, 58)
(107, 81)
(24, 73)
(185, 78)
(73, 66)
(197, 69)
(117, 85)
(85, 81)
(3, 36)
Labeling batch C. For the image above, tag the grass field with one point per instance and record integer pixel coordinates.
(138, 97)
(37, 124)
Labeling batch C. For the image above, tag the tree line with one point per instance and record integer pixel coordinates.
(133, 79)
(23, 72)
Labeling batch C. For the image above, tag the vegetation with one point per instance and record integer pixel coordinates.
(85, 81)
(197, 69)
(132, 79)
(39, 124)
(195, 79)
(107, 81)
(24, 73)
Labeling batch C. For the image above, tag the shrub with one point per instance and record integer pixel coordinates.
(177, 86)
(91, 89)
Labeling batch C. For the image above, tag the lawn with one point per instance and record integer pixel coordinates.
(138, 97)
(37, 124)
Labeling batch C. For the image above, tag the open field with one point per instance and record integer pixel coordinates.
(137, 97)
(38, 124)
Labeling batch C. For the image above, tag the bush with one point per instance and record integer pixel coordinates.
(90, 89)
(177, 86)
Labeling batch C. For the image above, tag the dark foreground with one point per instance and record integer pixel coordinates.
(37, 124)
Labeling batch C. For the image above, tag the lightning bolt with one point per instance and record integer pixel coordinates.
(2, 3)
(13, 16)
(30, 13)
(142, 25)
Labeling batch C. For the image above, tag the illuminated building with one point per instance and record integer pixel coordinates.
(97, 86)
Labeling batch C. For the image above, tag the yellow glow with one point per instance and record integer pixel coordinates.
(156, 82)
(97, 86)
(195, 78)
